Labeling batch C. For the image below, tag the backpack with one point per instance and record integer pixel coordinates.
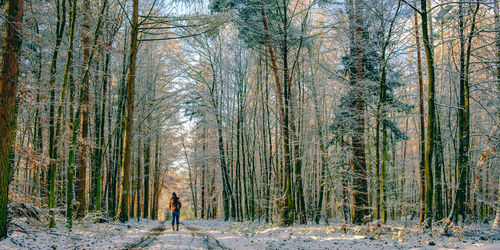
(176, 204)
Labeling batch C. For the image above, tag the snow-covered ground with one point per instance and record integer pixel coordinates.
(218, 234)
(248, 235)
(82, 236)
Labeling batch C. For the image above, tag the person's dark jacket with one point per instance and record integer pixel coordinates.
(173, 201)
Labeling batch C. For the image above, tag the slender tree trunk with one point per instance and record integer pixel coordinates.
(383, 167)
(496, 222)
(265, 130)
(129, 117)
(132, 190)
(381, 117)
(37, 128)
(439, 165)
(286, 218)
(87, 57)
(53, 130)
(296, 131)
(287, 213)
(8, 87)
(324, 161)
(138, 178)
(147, 162)
(204, 166)
(463, 115)
(156, 176)
(422, 123)
(84, 115)
(98, 151)
(118, 143)
(191, 186)
(68, 82)
(429, 184)
(227, 191)
(238, 178)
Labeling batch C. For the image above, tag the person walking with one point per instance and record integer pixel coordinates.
(175, 207)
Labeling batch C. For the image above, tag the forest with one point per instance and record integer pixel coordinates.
(345, 123)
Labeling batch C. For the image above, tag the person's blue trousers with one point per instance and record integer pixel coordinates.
(175, 216)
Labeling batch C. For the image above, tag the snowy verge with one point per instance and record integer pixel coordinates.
(254, 235)
(86, 235)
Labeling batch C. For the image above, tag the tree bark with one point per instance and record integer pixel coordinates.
(429, 184)
(113, 171)
(463, 115)
(129, 117)
(8, 86)
(286, 212)
(191, 186)
(53, 130)
(422, 123)
(84, 116)
(87, 56)
(99, 133)
(68, 82)
(138, 178)
(439, 169)
(204, 166)
(147, 162)
(156, 177)
(360, 185)
(496, 222)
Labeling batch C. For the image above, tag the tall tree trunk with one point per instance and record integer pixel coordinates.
(204, 166)
(68, 82)
(297, 150)
(8, 87)
(381, 116)
(360, 186)
(422, 123)
(287, 212)
(323, 156)
(227, 190)
(118, 142)
(238, 178)
(438, 174)
(37, 128)
(147, 161)
(191, 186)
(463, 115)
(99, 132)
(496, 222)
(156, 176)
(286, 219)
(138, 178)
(383, 167)
(84, 115)
(429, 184)
(129, 117)
(53, 130)
(87, 57)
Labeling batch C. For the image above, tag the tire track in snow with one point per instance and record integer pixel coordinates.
(148, 239)
(210, 241)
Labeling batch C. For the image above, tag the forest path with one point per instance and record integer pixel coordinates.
(188, 237)
(148, 239)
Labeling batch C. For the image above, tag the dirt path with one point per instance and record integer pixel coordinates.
(148, 239)
(210, 241)
(188, 237)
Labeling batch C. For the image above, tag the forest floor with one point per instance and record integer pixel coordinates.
(217, 234)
